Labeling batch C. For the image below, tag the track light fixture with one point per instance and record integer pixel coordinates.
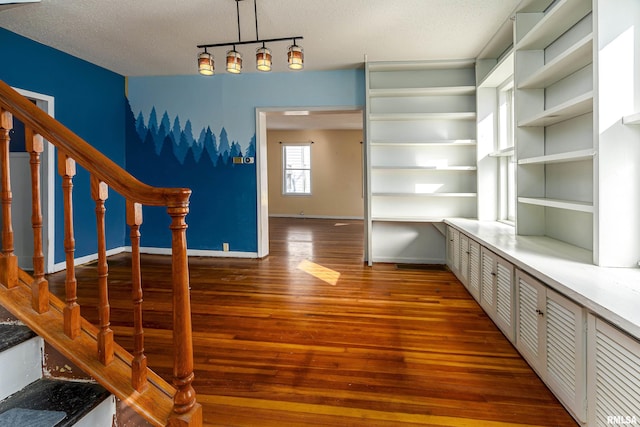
(295, 56)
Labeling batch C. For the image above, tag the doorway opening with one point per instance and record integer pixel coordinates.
(335, 137)
(21, 191)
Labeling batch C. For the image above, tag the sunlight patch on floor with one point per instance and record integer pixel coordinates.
(323, 273)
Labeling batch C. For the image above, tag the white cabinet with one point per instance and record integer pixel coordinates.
(464, 260)
(555, 142)
(420, 153)
(453, 250)
(613, 376)
(487, 289)
(551, 337)
(474, 269)
(496, 291)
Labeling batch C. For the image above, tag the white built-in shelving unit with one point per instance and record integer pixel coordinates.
(421, 156)
(555, 142)
(576, 95)
(577, 150)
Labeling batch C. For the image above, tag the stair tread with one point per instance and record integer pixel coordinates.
(12, 334)
(75, 399)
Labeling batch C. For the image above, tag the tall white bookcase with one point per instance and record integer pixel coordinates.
(554, 109)
(573, 71)
(420, 154)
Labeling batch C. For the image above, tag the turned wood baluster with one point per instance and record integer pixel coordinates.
(71, 311)
(39, 286)
(185, 398)
(139, 363)
(100, 193)
(8, 262)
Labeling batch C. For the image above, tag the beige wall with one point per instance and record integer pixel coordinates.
(336, 174)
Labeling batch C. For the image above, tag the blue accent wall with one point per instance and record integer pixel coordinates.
(223, 205)
(90, 101)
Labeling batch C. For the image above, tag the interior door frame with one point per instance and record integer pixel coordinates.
(47, 104)
(262, 187)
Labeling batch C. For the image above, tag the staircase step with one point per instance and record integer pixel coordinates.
(13, 334)
(58, 403)
(20, 358)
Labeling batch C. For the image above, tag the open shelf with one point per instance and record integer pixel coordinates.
(408, 219)
(419, 65)
(554, 23)
(426, 168)
(574, 58)
(424, 194)
(505, 152)
(575, 107)
(572, 156)
(422, 116)
(434, 143)
(559, 204)
(423, 91)
(499, 73)
(633, 119)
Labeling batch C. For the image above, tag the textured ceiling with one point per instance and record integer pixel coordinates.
(159, 37)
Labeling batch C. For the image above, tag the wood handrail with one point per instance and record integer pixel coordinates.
(87, 156)
(104, 174)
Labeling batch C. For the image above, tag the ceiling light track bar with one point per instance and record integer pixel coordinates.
(238, 43)
(295, 53)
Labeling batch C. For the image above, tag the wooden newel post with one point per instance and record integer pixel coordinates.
(8, 262)
(186, 411)
(71, 311)
(34, 144)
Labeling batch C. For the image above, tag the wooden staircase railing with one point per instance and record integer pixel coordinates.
(105, 174)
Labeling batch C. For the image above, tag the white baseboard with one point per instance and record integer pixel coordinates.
(197, 252)
(401, 260)
(314, 216)
(87, 259)
(156, 251)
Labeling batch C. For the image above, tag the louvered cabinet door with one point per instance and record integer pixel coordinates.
(474, 269)
(530, 325)
(464, 260)
(504, 317)
(613, 376)
(487, 285)
(456, 252)
(450, 248)
(566, 352)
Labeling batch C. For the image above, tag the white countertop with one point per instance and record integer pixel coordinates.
(611, 293)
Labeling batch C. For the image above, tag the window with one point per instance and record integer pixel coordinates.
(296, 169)
(505, 149)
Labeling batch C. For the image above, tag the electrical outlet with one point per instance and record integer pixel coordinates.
(225, 247)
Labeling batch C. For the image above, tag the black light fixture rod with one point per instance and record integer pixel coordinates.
(201, 46)
(255, 14)
(238, 13)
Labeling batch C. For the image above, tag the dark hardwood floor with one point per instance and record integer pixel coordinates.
(311, 336)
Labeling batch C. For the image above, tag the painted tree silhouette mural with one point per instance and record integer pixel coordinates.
(223, 202)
